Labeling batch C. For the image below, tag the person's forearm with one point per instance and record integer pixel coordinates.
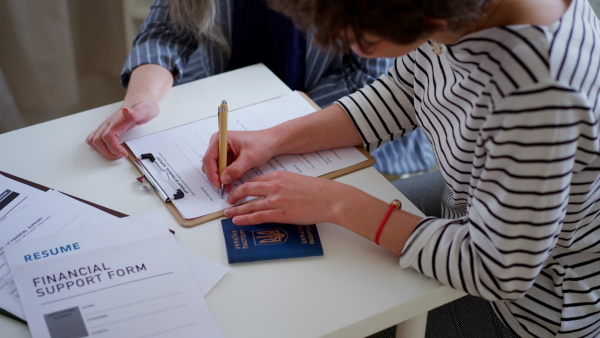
(325, 129)
(148, 80)
(364, 215)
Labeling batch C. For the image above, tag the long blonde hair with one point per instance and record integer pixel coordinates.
(199, 19)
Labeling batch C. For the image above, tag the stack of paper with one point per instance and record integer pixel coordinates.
(104, 277)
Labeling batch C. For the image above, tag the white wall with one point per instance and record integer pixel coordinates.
(58, 57)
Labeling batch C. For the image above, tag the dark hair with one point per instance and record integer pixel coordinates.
(399, 21)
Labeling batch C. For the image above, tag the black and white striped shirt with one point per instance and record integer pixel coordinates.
(512, 115)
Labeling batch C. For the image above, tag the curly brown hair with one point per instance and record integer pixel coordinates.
(399, 21)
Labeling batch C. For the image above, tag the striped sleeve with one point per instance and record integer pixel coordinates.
(515, 212)
(391, 98)
(159, 43)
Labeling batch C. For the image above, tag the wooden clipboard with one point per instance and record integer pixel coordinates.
(191, 222)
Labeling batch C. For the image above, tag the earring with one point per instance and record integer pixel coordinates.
(436, 47)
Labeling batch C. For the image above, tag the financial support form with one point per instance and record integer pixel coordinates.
(122, 278)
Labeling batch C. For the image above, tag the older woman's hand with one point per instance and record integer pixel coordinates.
(105, 138)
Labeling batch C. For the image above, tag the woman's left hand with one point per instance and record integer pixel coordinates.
(298, 199)
(286, 198)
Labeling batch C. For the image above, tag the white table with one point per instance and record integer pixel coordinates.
(355, 290)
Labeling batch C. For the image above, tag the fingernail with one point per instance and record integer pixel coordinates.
(227, 213)
(225, 179)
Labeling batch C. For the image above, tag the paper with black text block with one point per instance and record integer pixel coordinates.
(14, 196)
(109, 280)
(270, 241)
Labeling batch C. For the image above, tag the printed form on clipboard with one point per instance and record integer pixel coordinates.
(172, 159)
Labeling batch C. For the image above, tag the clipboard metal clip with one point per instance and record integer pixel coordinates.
(154, 182)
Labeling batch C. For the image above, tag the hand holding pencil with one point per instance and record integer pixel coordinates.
(231, 154)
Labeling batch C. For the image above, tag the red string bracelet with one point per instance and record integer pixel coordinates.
(395, 205)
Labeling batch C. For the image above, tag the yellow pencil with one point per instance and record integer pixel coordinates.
(223, 111)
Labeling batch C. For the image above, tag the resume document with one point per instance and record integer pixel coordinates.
(124, 278)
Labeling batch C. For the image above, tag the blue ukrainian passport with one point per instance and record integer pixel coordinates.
(270, 241)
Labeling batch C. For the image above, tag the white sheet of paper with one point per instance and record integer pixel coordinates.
(48, 214)
(14, 196)
(179, 153)
(116, 279)
(206, 272)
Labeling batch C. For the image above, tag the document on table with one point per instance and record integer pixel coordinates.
(14, 196)
(50, 212)
(124, 278)
(179, 151)
(35, 213)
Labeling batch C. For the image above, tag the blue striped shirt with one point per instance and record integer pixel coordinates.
(328, 76)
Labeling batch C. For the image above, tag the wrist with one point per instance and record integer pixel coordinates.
(149, 82)
(278, 141)
(369, 216)
(358, 211)
(394, 205)
(133, 98)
